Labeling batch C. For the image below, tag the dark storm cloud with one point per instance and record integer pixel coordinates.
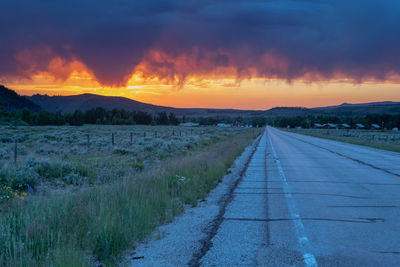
(284, 39)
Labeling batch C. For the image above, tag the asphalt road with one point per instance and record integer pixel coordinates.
(305, 201)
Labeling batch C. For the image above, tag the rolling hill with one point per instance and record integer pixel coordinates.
(83, 102)
(68, 104)
(370, 104)
(11, 101)
(362, 109)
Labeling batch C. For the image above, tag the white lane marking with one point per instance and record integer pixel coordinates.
(308, 258)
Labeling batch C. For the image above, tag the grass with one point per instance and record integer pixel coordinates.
(100, 223)
(53, 158)
(332, 135)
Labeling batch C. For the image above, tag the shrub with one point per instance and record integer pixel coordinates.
(138, 166)
(18, 179)
(123, 151)
(4, 154)
(23, 179)
(48, 170)
(6, 192)
(73, 179)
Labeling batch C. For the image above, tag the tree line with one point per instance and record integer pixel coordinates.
(93, 116)
(122, 117)
(115, 117)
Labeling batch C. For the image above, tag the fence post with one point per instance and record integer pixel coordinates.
(112, 138)
(88, 140)
(131, 138)
(144, 134)
(15, 151)
(155, 134)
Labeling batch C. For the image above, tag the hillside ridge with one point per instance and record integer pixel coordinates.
(11, 101)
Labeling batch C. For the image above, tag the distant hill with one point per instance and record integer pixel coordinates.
(343, 110)
(361, 109)
(83, 102)
(68, 104)
(383, 103)
(287, 111)
(11, 101)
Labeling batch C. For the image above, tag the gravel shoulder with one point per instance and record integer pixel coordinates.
(176, 243)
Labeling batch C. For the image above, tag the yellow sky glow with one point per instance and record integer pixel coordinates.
(215, 92)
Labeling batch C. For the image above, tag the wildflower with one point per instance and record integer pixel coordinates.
(22, 197)
(16, 194)
(25, 194)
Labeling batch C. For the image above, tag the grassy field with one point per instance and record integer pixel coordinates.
(387, 140)
(49, 158)
(68, 202)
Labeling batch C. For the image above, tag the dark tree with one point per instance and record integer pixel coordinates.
(162, 118)
(173, 120)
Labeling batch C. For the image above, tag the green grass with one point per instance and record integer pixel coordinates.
(100, 223)
(347, 139)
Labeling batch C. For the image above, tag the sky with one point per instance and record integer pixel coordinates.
(190, 53)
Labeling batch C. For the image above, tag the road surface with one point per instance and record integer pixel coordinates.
(305, 201)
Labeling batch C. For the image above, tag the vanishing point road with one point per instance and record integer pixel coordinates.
(305, 201)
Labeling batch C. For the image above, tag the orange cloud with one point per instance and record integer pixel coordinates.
(160, 67)
(209, 79)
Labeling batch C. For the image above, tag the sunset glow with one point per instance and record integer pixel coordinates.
(210, 92)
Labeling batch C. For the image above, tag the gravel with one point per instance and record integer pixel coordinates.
(175, 244)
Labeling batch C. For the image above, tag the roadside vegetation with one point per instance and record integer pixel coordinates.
(73, 200)
(387, 140)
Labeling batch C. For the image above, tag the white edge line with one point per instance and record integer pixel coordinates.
(308, 258)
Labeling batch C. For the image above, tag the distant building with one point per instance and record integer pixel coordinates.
(375, 127)
(189, 124)
(360, 126)
(318, 126)
(344, 126)
(330, 126)
(224, 125)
